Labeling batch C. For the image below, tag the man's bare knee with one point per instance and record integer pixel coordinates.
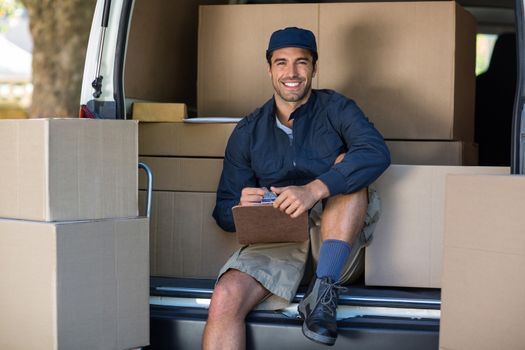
(344, 202)
(235, 294)
(344, 215)
(226, 299)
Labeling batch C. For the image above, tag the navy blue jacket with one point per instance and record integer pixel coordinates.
(259, 154)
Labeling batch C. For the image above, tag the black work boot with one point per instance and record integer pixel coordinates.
(318, 309)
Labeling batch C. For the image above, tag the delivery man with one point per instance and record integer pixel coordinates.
(318, 152)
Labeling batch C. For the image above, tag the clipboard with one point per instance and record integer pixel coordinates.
(265, 224)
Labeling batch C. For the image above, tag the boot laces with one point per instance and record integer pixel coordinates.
(330, 296)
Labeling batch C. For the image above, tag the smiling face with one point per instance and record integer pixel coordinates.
(292, 70)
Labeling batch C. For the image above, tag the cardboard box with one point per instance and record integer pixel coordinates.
(379, 54)
(182, 174)
(68, 169)
(74, 285)
(161, 58)
(232, 77)
(433, 152)
(410, 86)
(407, 247)
(159, 112)
(184, 139)
(12, 113)
(483, 304)
(185, 241)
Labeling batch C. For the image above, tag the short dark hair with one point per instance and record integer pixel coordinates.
(314, 58)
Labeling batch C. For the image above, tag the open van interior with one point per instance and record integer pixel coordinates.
(209, 55)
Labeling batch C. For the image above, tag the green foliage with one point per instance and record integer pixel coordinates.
(8, 7)
(484, 46)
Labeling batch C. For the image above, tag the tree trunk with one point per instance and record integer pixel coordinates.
(60, 30)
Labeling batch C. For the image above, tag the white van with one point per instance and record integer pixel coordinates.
(147, 50)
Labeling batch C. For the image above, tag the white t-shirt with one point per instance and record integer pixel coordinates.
(284, 128)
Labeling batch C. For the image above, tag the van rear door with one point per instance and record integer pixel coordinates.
(102, 94)
(518, 125)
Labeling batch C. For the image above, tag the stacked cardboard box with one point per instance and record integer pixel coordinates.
(407, 249)
(422, 101)
(484, 263)
(184, 139)
(182, 229)
(418, 92)
(73, 253)
(186, 161)
(431, 152)
(186, 242)
(379, 54)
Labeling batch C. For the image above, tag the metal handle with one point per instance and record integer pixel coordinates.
(149, 188)
(97, 83)
(105, 13)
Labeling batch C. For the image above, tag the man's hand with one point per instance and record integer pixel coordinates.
(252, 195)
(295, 200)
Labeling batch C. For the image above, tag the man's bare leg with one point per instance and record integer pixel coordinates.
(344, 216)
(234, 296)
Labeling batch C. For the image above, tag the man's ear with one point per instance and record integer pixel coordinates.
(314, 72)
(269, 69)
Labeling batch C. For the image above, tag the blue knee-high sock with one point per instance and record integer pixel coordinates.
(332, 258)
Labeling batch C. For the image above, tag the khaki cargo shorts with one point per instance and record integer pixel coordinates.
(280, 267)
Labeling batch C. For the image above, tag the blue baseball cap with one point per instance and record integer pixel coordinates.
(292, 37)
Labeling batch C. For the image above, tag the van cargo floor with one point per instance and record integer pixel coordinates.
(368, 318)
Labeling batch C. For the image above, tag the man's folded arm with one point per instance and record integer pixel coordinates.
(367, 156)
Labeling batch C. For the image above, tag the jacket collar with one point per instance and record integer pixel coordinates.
(305, 109)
